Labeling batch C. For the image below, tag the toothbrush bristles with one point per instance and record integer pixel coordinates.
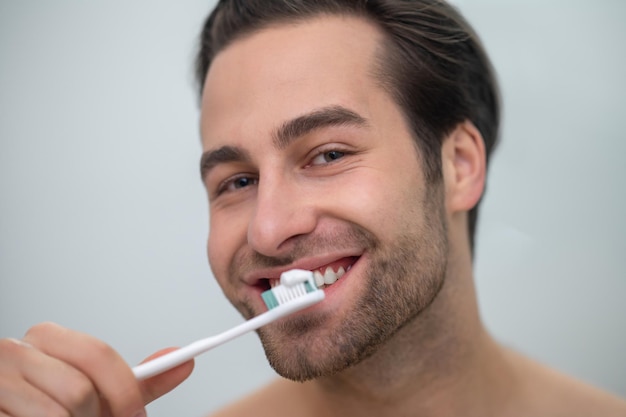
(282, 294)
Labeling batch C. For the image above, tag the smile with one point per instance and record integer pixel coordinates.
(327, 274)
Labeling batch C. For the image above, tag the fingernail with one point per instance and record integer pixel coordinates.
(20, 342)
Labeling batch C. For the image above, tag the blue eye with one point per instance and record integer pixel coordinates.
(332, 155)
(242, 182)
(327, 157)
(237, 183)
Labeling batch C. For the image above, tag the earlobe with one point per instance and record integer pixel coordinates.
(464, 165)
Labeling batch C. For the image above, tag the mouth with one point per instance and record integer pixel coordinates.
(325, 275)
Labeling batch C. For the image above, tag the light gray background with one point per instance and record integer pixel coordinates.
(103, 218)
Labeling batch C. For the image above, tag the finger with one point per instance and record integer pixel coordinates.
(63, 383)
(154, 387)
(20, 399)
(17, 396)
(106, 369)
(23, 400)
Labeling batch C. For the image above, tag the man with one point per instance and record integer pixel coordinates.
(337, 136)
(356, 135)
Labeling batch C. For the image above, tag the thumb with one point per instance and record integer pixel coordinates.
(154, 387)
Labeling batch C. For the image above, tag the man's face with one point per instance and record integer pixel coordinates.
(308, 163)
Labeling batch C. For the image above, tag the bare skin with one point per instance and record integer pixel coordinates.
(539, 392)
(54, 371)
(441, 361)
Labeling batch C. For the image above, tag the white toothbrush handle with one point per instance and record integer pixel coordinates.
(179, 356)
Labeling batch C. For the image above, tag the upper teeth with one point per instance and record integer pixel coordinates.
(329, 277)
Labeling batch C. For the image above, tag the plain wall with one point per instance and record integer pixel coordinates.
(103, 218)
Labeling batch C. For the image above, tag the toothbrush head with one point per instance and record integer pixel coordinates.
(293, 285)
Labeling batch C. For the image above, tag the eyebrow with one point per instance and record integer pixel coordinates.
(221, 155)
(286, 134)
(318, 119)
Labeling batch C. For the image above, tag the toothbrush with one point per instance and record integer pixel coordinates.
(297, 290)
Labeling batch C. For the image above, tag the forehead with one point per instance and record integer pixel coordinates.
(287, 70)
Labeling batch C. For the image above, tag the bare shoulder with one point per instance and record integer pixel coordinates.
(549, 392)
(279, 398)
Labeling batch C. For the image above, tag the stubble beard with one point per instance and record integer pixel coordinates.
(403, 278)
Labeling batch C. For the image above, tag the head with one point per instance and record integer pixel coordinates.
(334, 136)
(432, 63)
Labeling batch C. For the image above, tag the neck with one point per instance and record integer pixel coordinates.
(442, 362)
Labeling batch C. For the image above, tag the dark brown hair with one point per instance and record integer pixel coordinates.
(432, 63)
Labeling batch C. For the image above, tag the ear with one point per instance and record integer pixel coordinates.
(464, 167)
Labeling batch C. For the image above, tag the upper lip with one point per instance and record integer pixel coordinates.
(309, 264)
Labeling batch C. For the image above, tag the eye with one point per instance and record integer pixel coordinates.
(237, 183)
(327, 157)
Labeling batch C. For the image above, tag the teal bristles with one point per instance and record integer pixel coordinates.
(283, 293)
(270, 300)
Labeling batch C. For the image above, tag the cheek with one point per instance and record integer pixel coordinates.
(226, 232)
(215, 252)
(380, 202)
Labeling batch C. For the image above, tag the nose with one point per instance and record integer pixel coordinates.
(282, 212)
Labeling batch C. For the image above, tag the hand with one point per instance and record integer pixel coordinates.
(54, 371)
